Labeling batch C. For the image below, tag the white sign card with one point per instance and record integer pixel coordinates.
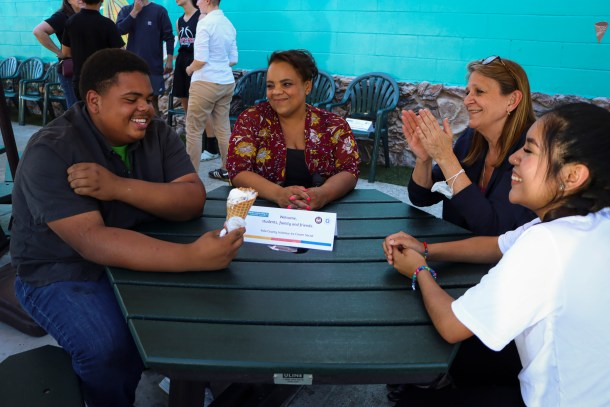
(362, 125)
(289, 227)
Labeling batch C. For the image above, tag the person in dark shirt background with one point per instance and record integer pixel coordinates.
(87, 32)
(148, 26)
(55, 25)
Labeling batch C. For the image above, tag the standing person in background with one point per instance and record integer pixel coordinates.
(148, 26)
(55, 25)
(186, 27)
(212, 83)
(85, 33)
(472, 177)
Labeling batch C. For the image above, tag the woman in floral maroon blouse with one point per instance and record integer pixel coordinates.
(294, 154)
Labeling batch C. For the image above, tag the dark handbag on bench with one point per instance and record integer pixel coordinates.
(11, 312)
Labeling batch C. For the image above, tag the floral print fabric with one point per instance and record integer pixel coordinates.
(257, 144)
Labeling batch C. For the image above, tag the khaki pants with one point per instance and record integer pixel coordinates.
(208, 100)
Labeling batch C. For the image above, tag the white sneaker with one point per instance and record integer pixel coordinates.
(208, 398)
(206, 156)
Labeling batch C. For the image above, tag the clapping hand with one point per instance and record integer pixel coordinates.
(409, 128)
(436, 141)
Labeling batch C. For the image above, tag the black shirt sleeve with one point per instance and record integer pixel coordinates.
(58, 22)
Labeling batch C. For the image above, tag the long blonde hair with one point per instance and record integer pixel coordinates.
(510, 76)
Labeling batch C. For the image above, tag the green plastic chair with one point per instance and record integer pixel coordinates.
(322, 91)
(53, 92)
(250, 90)
(9, 76)
(29, 70)
(372, 97)
(42, 91)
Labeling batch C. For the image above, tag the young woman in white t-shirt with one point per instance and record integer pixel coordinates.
(550, 290)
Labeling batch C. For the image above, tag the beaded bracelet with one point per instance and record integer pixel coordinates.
(420, 268)
(425, 250)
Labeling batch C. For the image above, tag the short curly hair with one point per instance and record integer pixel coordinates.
(300, 59)
(101, 69)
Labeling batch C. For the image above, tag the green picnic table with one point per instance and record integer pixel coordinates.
(317, 317)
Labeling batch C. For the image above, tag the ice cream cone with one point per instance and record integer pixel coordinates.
(241, 209)
(240, 201)
(600, 30)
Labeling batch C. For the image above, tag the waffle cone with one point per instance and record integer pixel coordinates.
(240, 209)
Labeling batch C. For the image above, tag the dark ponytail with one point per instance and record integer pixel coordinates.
(578, 133)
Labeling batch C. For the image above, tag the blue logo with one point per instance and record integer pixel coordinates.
(259, 214)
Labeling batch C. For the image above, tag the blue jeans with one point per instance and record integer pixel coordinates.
(85, 319)
(66, 85)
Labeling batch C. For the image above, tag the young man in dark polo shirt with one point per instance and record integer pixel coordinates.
(101, 168)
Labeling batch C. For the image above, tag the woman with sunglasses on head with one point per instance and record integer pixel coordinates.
(549, 290)
(472, 178)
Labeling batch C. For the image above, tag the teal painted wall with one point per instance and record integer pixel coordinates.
(414, 41)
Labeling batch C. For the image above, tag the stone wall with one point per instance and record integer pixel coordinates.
(443, 101)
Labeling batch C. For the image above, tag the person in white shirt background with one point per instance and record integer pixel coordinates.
(212, 83)
(186, 27)
(549, 290)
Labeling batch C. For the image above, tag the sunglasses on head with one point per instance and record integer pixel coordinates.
(490, 59)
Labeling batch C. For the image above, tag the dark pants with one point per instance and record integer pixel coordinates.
(481, 377)
(85, 319)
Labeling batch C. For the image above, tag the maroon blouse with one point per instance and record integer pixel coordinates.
(257, 144)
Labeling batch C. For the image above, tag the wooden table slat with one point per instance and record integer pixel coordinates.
(209, 350)
(348, 251)
(318, 308)
(302, 276)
